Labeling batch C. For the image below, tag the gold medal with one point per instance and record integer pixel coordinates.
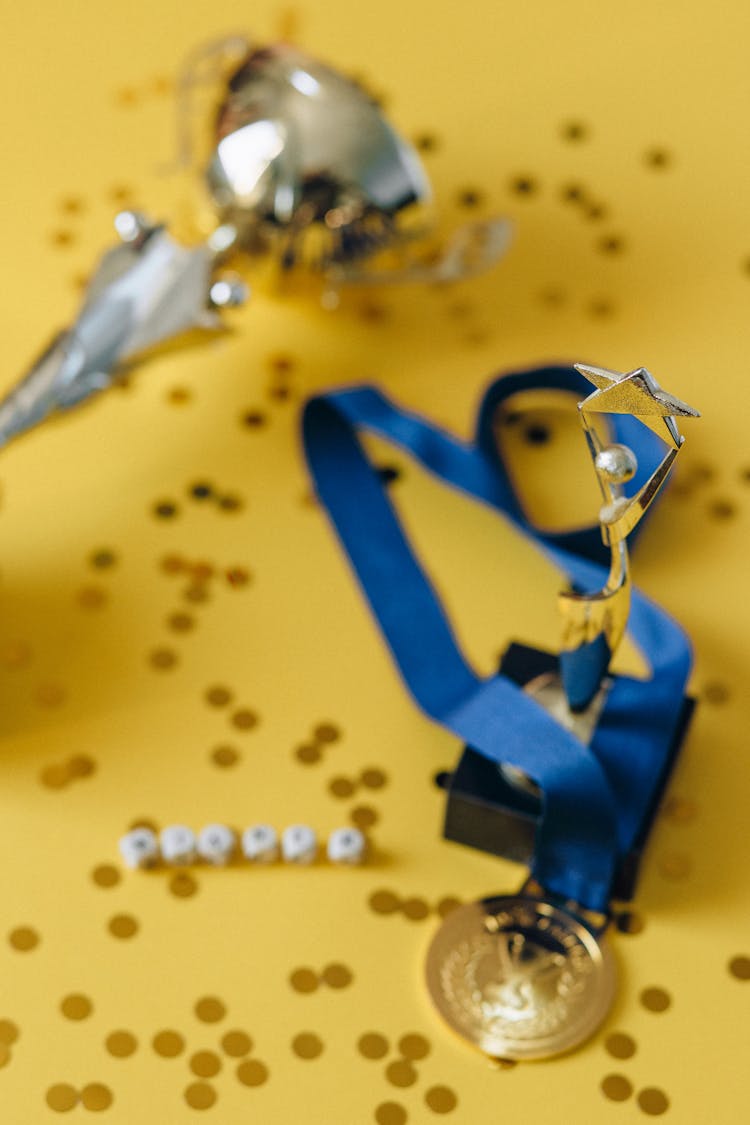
(519, 977)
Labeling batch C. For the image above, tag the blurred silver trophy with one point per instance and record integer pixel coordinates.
(305, 167)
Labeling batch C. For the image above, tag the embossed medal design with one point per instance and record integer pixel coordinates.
(519, 977)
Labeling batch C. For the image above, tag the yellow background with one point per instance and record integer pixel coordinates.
(87, 114)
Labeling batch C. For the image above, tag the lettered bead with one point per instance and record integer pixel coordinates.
(346, 845)
(260, 843)
(177, 844)
(299, 844)
(216, 843)
(139, 848)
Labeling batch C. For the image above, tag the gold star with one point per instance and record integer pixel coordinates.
(638, 393)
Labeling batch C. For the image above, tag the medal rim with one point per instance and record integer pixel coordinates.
(549, 1045)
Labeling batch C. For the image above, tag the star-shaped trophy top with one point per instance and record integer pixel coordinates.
(638, 393)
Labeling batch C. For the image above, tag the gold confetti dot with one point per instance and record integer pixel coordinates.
(619, 1045)
(96, 1097)
(205, 1064)
(304, 980)
(716, 692)
(200, 1095)
(308, 755)
(168, 1044)
(244, 719)
(653, 1101)
(447, 905)
(8, 1032)
(655, 999)
(92, 597)
(680, 810)
(401, 1073)
(415, 909)
(15, 654)
(162, 84)
(61, 1097)
(307, 1045)
(72, 204)
(55, 776)
(236, 1044)
(81, 765)
(105, 875)
(121, 1044)
(230, 503)
(50, 694)
(739, 967)
(180, 622)
(337, 976)
(372, 1045)
(102, 558)
(373, 778)
(23, 939)
(675, 865)
(414, 1046)
(390, 1113)
(178, 396)
(196, 593)
(441, 1099)
(62, 238)
(210, 1009)
(629, 922)
(326, 732)
(183, 885)
(76, 1006)
(384, 902)
(218, 696)
(616, 1087)
(126, 96)
(172, 564)
(224, 756)
(237, 576)
(123, 926)
(163, 658)
(252, 1072)
(722, 509)
(363, 816)
(341, 787)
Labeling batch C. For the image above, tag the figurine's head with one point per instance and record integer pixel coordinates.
(300, 149)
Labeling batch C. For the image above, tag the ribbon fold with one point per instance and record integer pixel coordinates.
(592, 796)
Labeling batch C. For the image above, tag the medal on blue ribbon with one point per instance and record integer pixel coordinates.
(529, 786)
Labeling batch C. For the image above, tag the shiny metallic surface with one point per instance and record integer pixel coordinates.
(594, 624)
(144, 292)
(616, 463)
(304, 166)
(519, 977)
(299, 144)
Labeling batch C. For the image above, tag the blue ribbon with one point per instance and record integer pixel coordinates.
(593, 797)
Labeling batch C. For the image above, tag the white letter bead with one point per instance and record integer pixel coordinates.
(216, 843)
(139, 848)
(346, 845)
(260, 843)
(299, 844)
(177, 844)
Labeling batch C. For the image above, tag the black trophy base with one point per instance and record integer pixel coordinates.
(491, 812)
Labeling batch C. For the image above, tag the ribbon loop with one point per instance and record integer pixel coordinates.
(590, 806)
